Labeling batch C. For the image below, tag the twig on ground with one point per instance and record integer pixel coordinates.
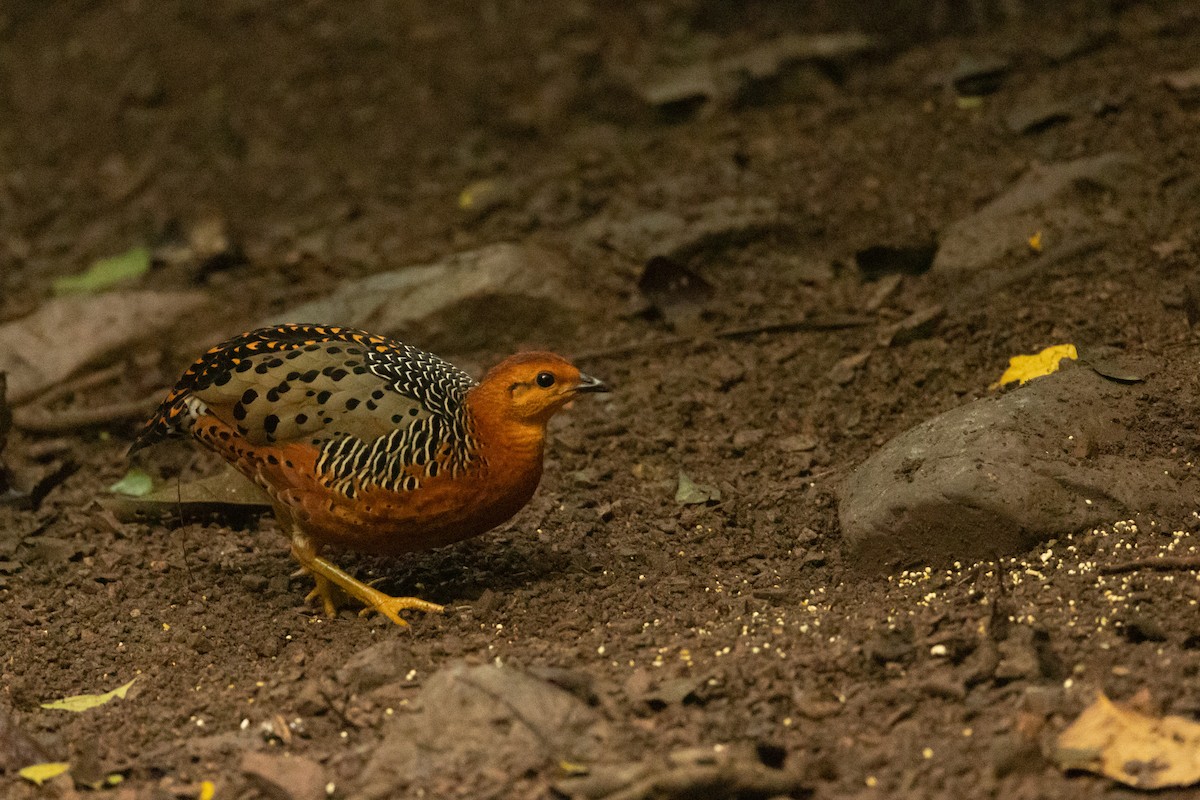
(44, 420)
(88, 381)
(1164, 564)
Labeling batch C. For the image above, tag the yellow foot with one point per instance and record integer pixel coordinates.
(391, 607)
(328, 575)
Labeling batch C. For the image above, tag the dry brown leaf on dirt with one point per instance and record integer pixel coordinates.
(66, 333)
(227, 493)
(1136, 749)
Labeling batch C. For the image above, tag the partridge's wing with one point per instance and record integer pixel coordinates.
(327, 386)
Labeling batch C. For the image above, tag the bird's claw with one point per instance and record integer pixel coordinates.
(391, 607)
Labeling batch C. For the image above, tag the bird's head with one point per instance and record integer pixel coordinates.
(529, 388)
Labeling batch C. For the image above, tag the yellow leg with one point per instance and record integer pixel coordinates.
(328, 575)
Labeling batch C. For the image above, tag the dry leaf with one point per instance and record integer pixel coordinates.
(82, 702)
(1026, 368)
(1136, 749)
(40, 773)
(227, 494)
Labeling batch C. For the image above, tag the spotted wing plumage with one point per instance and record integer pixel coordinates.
(379, 412)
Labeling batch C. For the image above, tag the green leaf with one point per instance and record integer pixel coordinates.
(82, 702)
(106, 272)
(136, 483)
(40, 773)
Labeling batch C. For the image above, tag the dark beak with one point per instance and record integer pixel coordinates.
(589, 384)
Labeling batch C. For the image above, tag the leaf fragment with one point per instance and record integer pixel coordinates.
(136, 483)
(227, 494)
(106, 272)
(40, 773)
(82, 702)
(1025, 368)
(689, 492)
(1136, 749)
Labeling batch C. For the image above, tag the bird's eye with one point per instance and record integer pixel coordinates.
(545, 379)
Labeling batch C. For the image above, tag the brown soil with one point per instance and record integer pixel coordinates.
(334, 140)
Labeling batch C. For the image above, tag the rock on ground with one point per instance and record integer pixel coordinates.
(67, 333)
(1001, 474)
(504, 292)
(476, 730)
(1040, 201)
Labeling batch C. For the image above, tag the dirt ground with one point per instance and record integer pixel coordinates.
(333, 141)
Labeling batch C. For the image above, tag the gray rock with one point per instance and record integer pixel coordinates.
(643, 234)
(692, 85)
(999, 475)
(474, 724)
(1039, 201)
(67, 333)
(499, 293)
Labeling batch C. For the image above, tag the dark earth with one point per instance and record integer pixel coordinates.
(773, 256)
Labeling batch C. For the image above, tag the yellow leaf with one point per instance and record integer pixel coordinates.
(82, 702)
(207, 791)
(108, 781)
(1026, 368)
(470, 197)
(571, 768)
(40, 773)
(1131, 747)
(1035, 242)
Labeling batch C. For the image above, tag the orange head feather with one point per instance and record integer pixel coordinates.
(516, 399)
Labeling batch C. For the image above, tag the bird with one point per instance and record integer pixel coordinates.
(367, 444)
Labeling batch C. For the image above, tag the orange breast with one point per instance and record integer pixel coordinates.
(442, 510)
